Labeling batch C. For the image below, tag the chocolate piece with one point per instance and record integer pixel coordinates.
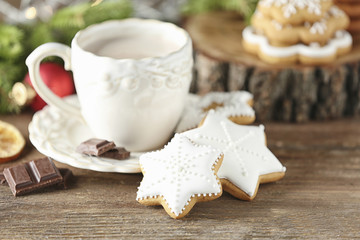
(64, 184)
(2, 179)
(118, 153)
(67, 176)
(32, 176)
(95, 146)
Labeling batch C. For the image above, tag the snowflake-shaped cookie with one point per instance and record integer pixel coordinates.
(235, 105)
(247, 161)
(180, 175)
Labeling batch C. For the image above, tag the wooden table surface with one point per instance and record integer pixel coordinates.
(319, 198)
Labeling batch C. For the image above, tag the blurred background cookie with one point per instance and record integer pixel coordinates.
(294, 12)
(279, 34)
(308, 32)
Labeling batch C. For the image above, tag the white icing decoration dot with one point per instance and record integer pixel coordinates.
(336, 12)
(278, 26)
(318, 28)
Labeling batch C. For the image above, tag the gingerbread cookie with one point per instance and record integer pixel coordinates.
(247, 161)
(180, 175)
(313, 53)
(294, 12)
(235, 105)
(285, 35)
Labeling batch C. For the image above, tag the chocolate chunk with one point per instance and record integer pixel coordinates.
(2, 179)
(95, 146)
(67, 177)
(118, 153)
(32, 176)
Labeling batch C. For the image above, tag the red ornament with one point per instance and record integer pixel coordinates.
(56, 78)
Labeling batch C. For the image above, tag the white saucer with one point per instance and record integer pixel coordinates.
(57, 135)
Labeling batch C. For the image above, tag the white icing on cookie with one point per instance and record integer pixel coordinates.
(318, 28)
(314, 45)
(327, 50)
(339, 34)
(246, 156)
(290, 7)
(315, 28)
(336, 12)
(235, 104)
(278, 26)
(178, 172)
(258, 13)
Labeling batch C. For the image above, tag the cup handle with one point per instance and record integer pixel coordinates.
(33, 63)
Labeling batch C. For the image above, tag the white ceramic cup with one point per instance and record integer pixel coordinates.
(131, 78)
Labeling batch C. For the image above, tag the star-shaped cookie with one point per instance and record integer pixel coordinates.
(180, 175)
(235, 105)
(247, 161)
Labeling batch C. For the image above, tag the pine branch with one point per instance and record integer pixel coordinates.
(9, 74)
(68, 21)
(10, 42)
(244, 7)
(108, 10)
(71, 17)
(200, 6)
(40, 34)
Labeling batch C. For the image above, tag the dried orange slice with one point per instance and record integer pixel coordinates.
(11, 142)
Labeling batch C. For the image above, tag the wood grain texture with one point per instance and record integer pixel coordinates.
(319, 197)
(283, 92)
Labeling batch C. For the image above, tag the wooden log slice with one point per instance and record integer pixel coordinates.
(287, 93)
